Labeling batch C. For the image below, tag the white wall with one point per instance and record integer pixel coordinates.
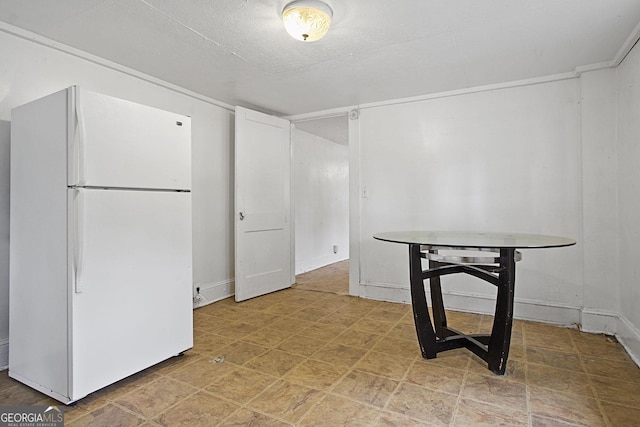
(30, 70)
(321, 197)
(499, 160)
(4, 241)
(600, 202)
(629, 197)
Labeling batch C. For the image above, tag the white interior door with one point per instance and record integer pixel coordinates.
(263, 229)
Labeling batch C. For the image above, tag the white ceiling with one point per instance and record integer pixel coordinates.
(237, 51)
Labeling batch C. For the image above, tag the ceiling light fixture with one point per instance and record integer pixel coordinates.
(307, 20)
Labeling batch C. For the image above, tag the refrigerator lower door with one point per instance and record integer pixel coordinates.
(131, 283)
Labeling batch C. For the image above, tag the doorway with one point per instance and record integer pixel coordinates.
(320, 189)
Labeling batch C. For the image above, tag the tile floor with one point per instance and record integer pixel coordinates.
(331, 278)
(308, 358)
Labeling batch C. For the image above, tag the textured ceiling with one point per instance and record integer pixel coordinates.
(236, 51)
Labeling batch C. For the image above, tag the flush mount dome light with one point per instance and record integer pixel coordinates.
(307, 20)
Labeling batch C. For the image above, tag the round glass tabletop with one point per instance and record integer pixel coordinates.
(474, 239)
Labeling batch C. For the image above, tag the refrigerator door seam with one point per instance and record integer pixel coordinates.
(97, 187)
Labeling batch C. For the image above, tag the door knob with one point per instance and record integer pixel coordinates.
(241, 216)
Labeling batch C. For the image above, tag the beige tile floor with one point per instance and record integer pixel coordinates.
(331, 278)
(308, 358)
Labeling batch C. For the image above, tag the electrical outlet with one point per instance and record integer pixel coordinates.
(197, 298)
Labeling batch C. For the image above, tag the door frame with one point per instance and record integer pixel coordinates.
(355, 205)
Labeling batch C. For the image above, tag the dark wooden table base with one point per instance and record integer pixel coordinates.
(438, 336)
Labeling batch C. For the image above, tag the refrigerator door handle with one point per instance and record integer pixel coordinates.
(79, 138)
(78, 234)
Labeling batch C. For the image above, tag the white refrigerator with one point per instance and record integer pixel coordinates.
(100, 243)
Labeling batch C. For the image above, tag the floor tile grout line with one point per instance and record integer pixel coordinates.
(525, 356)
(246, 405)
(594, 392)
(112, 403)
(460, 392)
(170, 407)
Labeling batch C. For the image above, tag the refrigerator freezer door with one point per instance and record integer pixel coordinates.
(118, 143)
(133, 260)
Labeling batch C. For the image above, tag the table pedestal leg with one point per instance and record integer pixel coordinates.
(494, 348)
(437, 305)
(424, 329)
(503, 319)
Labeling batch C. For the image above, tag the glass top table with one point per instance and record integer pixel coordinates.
(499, 270)
(474, 239)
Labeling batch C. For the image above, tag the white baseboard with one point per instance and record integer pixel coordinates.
(4, 354)
(385, 292)
(600, 322)
(302, 266)
(629, 336)
(537, 311)
(212, 292)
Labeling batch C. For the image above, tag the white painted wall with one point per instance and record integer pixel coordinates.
(499, 160)
(321, 198)
(600, 201)
(629, 197)
(30, 70)
(4, 241)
